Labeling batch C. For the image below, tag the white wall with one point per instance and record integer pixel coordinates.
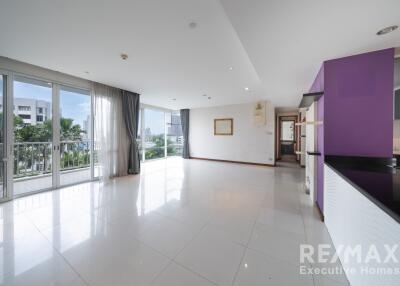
(249, 143)
(310, 146)
(303, 139)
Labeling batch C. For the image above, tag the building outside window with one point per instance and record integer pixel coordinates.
(25, 116)
(29, 109)
(24, 108)
(174, 134)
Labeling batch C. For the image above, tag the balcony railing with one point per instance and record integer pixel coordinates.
(75, 154)
(159, 152)
(35, 158)
(32, 159)
(174, 149)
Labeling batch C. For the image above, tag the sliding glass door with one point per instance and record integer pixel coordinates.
(49, 132)
(47, 127)
(75, 135)
(33, 135)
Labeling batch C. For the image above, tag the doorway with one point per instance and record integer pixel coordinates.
(287, 138)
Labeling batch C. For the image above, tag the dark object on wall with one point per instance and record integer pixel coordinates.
(185, 113)
(313, 153)
(309, 98)
(131, 107)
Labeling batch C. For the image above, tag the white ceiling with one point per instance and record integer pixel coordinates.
(275, 47)
(287, 41)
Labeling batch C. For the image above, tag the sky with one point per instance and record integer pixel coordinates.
(73, 105)
(155, 121)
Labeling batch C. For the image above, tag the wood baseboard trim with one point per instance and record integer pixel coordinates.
(235, 162)
(321, 215)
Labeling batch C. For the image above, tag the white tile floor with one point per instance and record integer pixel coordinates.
(181, 222)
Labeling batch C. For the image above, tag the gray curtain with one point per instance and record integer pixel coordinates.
(130, 109)
(185, 131)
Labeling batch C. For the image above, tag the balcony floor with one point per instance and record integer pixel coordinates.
(31, 184)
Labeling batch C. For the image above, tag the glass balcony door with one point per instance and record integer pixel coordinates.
(75, 117)
(33, 135)
(52, 135)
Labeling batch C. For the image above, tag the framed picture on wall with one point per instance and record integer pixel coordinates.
(223, 126)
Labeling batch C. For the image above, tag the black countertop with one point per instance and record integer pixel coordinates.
(373, 178)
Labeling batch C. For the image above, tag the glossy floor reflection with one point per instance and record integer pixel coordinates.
(181, 222)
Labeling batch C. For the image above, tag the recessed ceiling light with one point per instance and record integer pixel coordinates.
(209, 97)
(174, 99)
(247, 89)
(192, 25)
(86, 72)
(204, 94)
(387, 30)
(231, 68)
(124, 56)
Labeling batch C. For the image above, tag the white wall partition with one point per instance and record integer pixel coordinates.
(354, 220)
(249, 143)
